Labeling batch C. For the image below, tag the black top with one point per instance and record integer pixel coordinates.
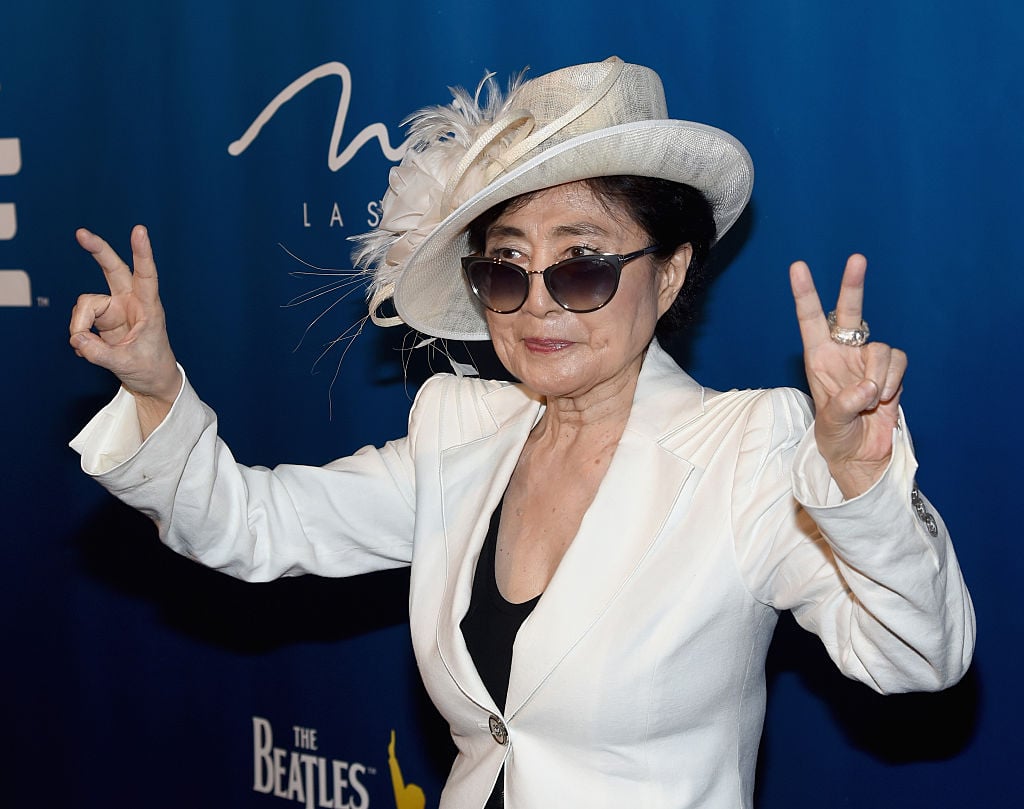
(490, 627)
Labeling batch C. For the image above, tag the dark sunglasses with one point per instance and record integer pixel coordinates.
(582, 284)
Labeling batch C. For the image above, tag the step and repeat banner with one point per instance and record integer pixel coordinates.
(254, 138)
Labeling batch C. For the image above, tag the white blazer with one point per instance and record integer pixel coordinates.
(638, 680)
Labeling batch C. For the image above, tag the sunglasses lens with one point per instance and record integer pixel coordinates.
(583, 284)
(500, 287)
(579, 284)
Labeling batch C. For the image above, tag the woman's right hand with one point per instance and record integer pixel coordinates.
(125, 331)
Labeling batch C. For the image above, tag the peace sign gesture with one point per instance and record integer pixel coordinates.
(125, 330)
(856, 388)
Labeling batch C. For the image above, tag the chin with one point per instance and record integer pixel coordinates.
(553, 382)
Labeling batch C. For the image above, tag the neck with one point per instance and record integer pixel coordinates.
(597, 416)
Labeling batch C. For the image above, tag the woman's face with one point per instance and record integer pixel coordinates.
(563, 354)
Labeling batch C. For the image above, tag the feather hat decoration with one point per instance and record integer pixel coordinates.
(433, 178)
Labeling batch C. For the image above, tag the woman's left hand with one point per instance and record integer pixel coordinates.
(856, 389)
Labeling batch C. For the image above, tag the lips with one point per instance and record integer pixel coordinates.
(545, 346)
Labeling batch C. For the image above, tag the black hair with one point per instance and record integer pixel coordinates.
(671, 214)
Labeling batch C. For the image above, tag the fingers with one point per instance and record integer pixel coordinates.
(884, 367)
(145, 266)
(851, 401)
(881, 383)
(117, 273)
(809, 314)
(120, 278)
(100, 322)
(850, 305)
(892, 378)
(91, 347)
(86, 312)
(95, 312)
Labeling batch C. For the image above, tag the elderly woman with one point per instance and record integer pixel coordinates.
(599, 553)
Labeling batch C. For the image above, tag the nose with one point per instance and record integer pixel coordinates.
(539, 302)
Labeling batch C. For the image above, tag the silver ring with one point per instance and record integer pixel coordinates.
(847, 337)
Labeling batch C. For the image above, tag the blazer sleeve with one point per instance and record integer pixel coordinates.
(353, 515)
(875, 577)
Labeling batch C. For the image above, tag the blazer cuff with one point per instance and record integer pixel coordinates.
(863, 529)
(815, 489)
(113, 436)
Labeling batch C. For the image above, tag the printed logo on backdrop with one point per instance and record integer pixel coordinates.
(303, 772)
(15, 286)
(338, 283)
(337, 158)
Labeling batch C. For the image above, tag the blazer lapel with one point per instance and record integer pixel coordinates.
(644, 489)
(474, 476)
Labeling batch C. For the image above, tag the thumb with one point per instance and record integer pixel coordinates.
(854, 400)
(91, 347)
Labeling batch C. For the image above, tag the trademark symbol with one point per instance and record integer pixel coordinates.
(42, 300)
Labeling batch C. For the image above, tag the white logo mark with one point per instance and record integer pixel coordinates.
(335, 158)
(15, 286)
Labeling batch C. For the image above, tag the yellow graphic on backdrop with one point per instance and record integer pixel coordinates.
(407, 796)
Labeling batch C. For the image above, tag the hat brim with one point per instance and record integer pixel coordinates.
(432, 296)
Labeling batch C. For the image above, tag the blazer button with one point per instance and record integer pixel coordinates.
(498, 730)
(922, 512)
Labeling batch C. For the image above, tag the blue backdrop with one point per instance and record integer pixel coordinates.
(135, 678)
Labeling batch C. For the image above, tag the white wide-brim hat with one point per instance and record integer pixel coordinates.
(592, 120)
